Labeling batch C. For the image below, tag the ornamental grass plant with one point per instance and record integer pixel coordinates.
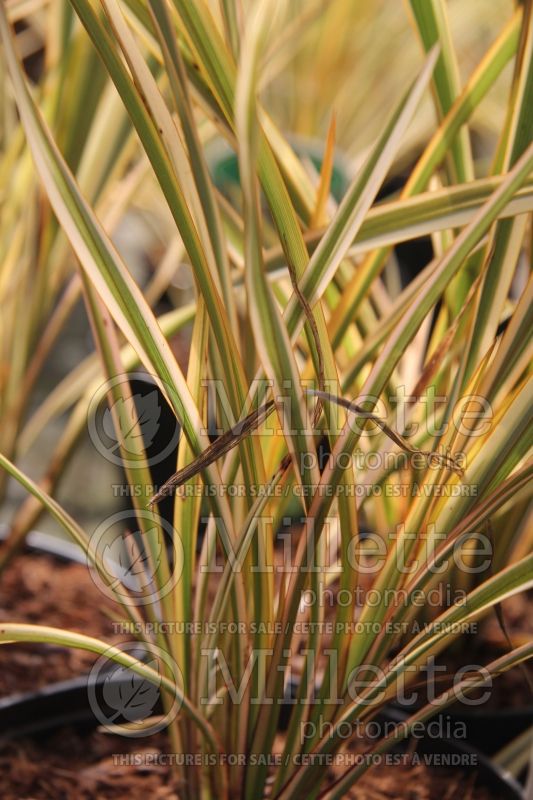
(353, 473)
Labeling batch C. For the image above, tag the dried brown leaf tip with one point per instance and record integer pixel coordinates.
(226, 442)
(433, 458)
(231, 438)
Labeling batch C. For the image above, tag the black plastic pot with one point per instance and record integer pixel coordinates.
(57, 705)
(65, 702)
(497, 780)
(489, 730)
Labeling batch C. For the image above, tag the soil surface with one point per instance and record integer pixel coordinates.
(72, 765)
(418, 782)
(40, 589)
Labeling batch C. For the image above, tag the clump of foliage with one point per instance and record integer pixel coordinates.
(307, 347)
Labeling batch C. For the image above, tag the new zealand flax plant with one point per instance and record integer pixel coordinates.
(338, 398)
